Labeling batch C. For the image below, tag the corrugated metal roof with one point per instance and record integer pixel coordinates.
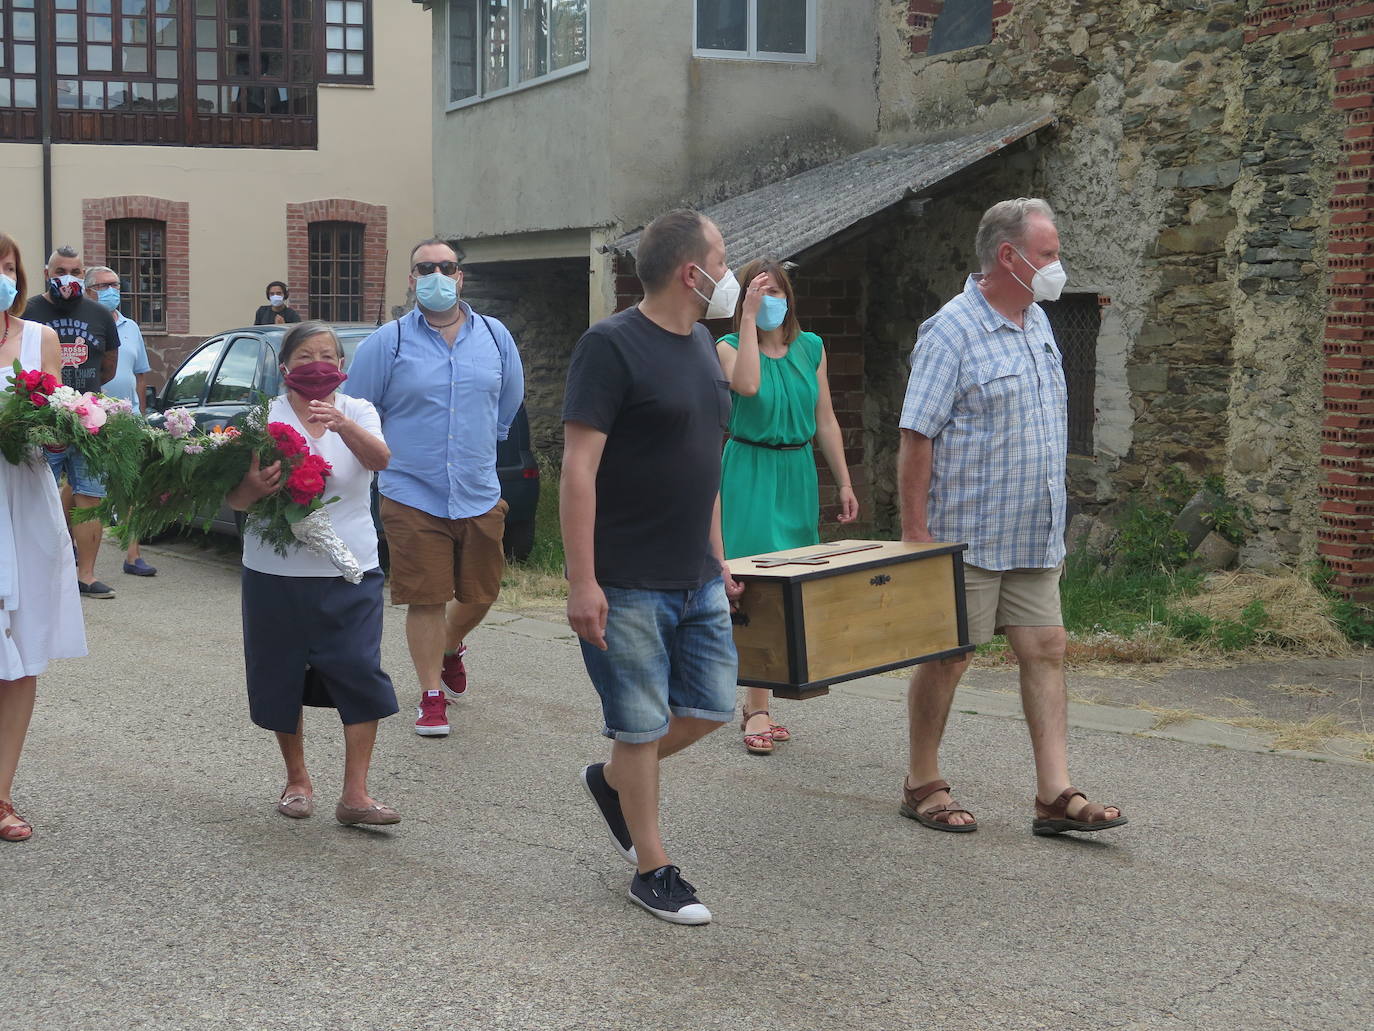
(783, 219)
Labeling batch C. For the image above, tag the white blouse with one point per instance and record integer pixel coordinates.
(350, 481)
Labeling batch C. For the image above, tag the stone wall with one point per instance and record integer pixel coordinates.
(1191, 169)
(544, 305)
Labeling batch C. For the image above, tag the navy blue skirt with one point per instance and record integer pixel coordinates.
(314, 640)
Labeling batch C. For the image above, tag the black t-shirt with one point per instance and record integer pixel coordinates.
(267, 316)
(86, 331)
(663, 404)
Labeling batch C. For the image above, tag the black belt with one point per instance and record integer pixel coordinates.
(772, 447)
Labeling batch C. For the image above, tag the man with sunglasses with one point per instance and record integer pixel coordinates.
(447, 382)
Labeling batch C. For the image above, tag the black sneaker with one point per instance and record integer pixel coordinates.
(95, 589)
(608, 802)
(667, 896)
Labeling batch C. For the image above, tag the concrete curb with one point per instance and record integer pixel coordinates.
(983, 702)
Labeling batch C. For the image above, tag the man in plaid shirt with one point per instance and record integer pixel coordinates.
(982, 460)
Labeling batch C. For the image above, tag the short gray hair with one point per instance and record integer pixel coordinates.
(91, 273)
(303, 331)
(65, 251)
(1005, 222)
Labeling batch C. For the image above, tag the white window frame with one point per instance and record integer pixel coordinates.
(753, 53)
(479, 97)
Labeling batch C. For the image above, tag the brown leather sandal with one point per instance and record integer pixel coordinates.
(937, 817)
(21, 831)
(1053, 817)
(756, 744)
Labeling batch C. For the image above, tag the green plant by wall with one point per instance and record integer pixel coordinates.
(1147, 541)
(1356, 621)
(1231, 519)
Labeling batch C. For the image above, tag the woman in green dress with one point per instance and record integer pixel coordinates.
(768, 489)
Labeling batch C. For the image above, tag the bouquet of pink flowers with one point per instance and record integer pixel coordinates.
(38, 411)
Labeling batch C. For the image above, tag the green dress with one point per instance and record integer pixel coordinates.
(769, 499)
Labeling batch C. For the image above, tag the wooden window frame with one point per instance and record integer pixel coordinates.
(226, 109)
(325, 305)
(324, 24)
(19, 122)
(137, 303)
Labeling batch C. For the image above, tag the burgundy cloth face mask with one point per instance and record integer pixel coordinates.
(315, 381)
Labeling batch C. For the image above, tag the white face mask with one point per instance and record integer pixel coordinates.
(276, 299)
(721, 303)
(1047, 283)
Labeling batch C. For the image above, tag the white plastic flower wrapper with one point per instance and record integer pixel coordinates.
(316, 532)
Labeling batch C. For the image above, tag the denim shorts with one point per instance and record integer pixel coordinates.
(78, 470)
(667, 652)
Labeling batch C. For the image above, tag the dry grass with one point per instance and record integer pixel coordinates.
(524, 587)
(1301, 690)
(1170, 717)
(1298, 615)
(1309, 736)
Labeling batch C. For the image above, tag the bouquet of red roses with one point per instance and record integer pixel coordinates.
(295, 514)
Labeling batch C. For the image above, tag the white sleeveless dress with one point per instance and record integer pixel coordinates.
(40, 608)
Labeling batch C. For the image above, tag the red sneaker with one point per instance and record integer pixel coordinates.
(454, 674)
(432, 721)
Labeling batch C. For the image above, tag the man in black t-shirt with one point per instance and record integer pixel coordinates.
(90, 356)
(648, 590)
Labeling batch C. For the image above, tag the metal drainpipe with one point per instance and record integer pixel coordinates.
(45, 125)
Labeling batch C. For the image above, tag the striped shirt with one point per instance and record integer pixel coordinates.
(991, 396)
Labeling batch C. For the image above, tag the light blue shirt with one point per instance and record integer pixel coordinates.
(133, 362)
(443, 409)
(991, 396)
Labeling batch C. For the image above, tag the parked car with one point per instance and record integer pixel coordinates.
(221, 378)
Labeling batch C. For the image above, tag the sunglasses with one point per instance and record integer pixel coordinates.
(428, 268)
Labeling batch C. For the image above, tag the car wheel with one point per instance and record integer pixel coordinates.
(518, 541)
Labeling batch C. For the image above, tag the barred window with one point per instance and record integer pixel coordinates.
(336, 271)
(137, 250)
(1076, 319)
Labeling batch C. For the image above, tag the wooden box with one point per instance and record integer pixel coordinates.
(815, 616)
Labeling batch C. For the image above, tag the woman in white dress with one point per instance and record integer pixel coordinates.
(40, 609)
(309, 636)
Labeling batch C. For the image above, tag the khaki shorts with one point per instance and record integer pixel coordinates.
(435, 560)
(999, 598)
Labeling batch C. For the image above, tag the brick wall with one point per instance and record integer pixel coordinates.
(1345, 541)
(176, 216)
(829, 292)
(373, 219)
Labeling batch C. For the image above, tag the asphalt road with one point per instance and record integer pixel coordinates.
(161, 891)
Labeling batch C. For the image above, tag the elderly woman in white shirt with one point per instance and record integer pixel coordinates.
(309, 636)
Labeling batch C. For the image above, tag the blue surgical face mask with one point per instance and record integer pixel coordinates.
(8, 292)
(436, 292)
(108, 296)
(771, 312)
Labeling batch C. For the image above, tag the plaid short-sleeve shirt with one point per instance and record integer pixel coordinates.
(992, 398)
